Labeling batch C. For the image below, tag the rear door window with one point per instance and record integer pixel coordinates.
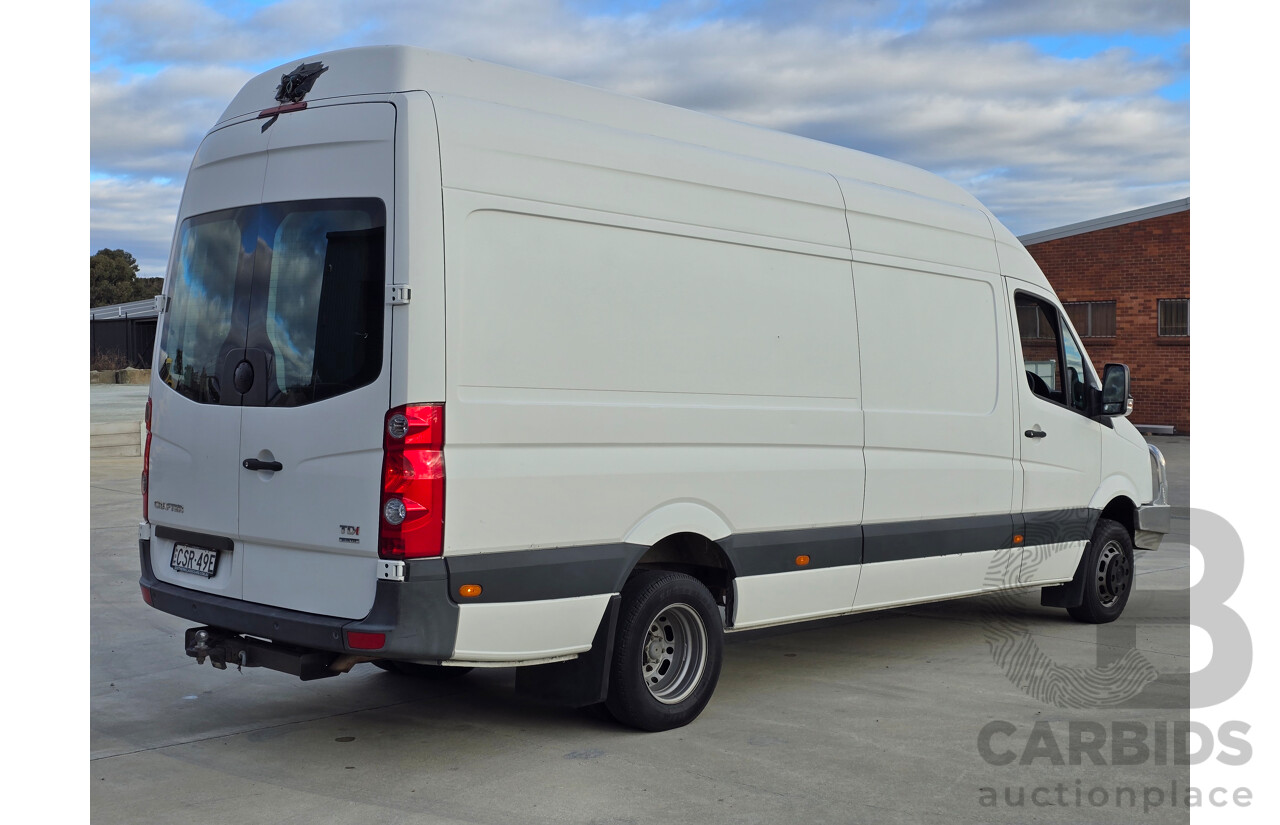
(296, 288)
(214, 254)
(322, 294)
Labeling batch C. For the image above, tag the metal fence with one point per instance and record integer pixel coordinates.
(124, 331)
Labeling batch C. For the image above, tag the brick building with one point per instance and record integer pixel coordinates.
(1125, 281)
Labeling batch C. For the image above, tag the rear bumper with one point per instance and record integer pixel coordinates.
(417, 617)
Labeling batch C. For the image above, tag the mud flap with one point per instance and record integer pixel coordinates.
(578, 682)
(1070, 594)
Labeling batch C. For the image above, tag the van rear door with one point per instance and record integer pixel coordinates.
(309, 531)
(286, 462)
(193, 491)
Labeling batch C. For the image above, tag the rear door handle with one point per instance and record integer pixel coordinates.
(1035, 433)
(255, 464)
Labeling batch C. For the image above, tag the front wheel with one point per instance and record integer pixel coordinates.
(667, 654)
(1108, 574)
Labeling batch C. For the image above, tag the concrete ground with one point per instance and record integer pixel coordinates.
(109, 403)
(874, 718)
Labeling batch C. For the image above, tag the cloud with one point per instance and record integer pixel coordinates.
(134, 215)
(158, 30)
(1022, 18)
(953, 86)
(190, 32)
(149, 125)
(948, 18)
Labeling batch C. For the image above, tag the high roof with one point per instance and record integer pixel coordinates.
(378, 70)
(1119, 219)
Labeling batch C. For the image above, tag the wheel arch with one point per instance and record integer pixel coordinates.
(1124, 511)
(1071, 595)
(675, 517)
(694, 554)
(1115, 499)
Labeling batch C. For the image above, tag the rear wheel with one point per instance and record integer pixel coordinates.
(667, 655)
(1108, 574)
(421, 670)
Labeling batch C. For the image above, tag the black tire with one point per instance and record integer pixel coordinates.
(667, 652)
(1108, 574)
(599, 711)
(439, 672)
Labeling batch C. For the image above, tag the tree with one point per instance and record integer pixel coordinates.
(113, 279)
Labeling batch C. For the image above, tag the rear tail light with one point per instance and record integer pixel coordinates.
(411, 519)
(146, 464)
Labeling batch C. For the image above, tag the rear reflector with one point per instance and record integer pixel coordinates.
(146, 593)
(411, 518)
(366, 641)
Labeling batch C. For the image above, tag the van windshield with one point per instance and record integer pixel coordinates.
(294, 288)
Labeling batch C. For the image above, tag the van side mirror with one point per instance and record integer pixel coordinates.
(1115, 390)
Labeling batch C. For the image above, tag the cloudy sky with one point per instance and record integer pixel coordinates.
(1050, 112)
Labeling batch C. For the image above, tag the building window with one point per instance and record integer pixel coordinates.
(1174, 316)
(1093, 319)
(1034, 324)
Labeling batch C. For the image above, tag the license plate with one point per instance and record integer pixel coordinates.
(200, 561)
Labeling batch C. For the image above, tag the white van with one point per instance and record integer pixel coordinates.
(459, 366)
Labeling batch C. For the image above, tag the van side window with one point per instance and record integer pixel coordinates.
(1040, 335)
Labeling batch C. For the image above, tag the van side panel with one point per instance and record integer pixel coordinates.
(505, 632)
(795, 595)
(634, 323)
(569, 305)
(532, 156)
(906, 226)
(909, 581)
(578, 418)
(937, 400)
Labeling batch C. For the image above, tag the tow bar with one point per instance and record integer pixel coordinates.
(222, 647)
